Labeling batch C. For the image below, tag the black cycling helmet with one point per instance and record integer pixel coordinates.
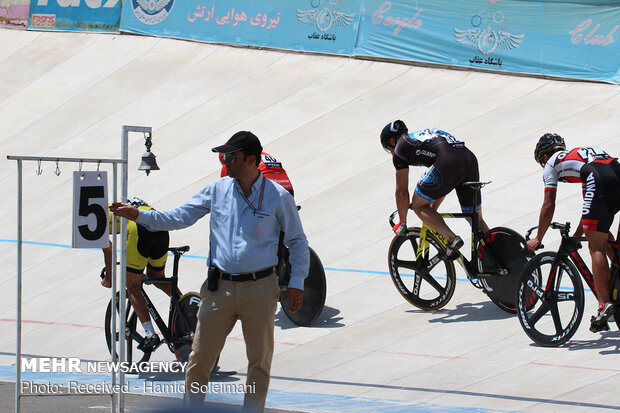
(392, 130)
(135, 201)
(548, 143)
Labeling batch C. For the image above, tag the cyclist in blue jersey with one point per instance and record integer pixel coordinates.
(449, 164)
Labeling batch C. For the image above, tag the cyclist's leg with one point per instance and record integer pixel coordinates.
(421, 205)
(135, 295)
(159, 272)
(601, 185)
(156, 248)
(466, 193)
(597, 243)
(429, 190)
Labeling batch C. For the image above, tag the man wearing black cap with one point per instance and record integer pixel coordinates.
(248, 212)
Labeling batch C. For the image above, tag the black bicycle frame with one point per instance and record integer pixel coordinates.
(569, 248)
(174, 302)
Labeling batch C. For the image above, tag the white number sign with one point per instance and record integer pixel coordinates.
(90, 209)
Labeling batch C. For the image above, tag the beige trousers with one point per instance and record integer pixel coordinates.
(252, 302)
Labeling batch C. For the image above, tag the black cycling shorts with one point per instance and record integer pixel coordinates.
(449, 172)
(145, 247)
(601, 197)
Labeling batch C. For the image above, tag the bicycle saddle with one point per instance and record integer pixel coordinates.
(181, 250)
(476, 184)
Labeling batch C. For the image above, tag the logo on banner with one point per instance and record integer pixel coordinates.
(324, 19)
(488, 34)
(152, 12)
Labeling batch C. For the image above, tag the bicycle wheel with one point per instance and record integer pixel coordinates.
(505, 248)
(614, 292)
(183, 325)
(132, 337)
(426, 282)
(315, 291)
(550, 299)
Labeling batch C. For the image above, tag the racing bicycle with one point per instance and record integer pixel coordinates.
(177, 334)
(550, 294)
(426, 278)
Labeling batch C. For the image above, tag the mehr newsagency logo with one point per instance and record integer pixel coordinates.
(151, 12)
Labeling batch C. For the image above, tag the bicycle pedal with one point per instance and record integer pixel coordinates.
(596, 326)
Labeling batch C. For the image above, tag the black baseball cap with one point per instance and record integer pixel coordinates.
(244, 141)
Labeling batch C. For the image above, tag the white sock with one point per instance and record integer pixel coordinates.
(148, 327)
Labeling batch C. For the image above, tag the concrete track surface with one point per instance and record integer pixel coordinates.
(68, 95)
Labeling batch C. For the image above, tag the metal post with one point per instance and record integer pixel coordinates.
(113, 345)
(123, 270)
(123, 259)
(123, 266)
(20, 159)
(18, 350)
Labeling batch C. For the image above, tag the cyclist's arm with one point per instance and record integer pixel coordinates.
(545, 217)
(107, 258)
(402, 193)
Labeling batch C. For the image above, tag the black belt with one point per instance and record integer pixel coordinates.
(249, 276)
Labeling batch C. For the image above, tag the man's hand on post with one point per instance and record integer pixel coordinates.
(124, 210)
(295, 297)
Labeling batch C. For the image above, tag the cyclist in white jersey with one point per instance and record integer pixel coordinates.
(599, 175)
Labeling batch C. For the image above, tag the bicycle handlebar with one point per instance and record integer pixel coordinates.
(393, 215)
(391, 218)
(563, 228)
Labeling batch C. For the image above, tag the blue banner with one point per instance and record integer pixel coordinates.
(76, 15)
(577, 39)
(328, 26)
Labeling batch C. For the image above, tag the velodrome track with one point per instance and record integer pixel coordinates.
(68, 94)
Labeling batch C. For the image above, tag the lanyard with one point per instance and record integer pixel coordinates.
(260, 199)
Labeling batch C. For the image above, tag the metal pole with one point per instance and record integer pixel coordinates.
(18, 350)
(123, 269)
(114, 162)
(114, 346)
(122, 327)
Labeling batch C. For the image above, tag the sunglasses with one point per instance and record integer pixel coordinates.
(228, 157)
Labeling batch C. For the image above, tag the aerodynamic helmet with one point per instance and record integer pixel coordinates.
(548, 143)
(392, 130)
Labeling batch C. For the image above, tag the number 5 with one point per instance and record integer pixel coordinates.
(86, 208)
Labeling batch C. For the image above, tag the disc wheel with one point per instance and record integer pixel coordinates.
(505, 248)
(183, 325)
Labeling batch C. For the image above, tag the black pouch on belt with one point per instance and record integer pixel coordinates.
(213, 275)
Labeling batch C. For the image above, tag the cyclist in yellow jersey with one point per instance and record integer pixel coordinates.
(145, 249)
